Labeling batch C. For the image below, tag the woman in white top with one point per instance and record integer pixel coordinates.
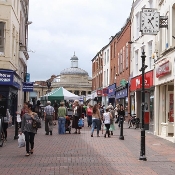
(106, 117)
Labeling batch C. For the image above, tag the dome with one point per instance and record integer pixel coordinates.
(73, 71)
(74, 57)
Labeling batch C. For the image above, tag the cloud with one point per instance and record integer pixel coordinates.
(61, 27)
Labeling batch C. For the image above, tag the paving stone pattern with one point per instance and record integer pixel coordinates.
(80, 154)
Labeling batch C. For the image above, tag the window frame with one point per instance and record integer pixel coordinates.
(2, 37)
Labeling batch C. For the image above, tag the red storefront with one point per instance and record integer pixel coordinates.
(136, 97)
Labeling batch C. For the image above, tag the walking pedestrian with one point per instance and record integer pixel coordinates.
(61, 118)
(6, 122)
(49, 114)
(77, 115)
(96, 119)
(107, 117)
(28, 129)
(112, 126)
(121, 113)
(56, 109)
(89, 115)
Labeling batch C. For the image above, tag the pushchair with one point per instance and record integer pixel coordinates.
(134, 121)
(68, 124)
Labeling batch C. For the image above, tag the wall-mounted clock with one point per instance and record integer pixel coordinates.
(149, 21)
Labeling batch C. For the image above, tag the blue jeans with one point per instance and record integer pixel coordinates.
(61, 125)
(95, 123)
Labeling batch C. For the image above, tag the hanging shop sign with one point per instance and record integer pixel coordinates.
(99, 92)
(9, 78)
(163, 69)
(136, 82)
(27, 86)
(111, 90)
(27, 77)
(105, 92)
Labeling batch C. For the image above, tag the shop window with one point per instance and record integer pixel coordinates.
(2, 25)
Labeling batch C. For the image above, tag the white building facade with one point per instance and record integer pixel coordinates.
(106, 74)
(139, 43)
(164, 74)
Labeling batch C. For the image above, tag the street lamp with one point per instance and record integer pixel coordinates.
(142, 150)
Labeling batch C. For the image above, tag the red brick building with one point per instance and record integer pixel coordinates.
(120, 65)
(97, 76)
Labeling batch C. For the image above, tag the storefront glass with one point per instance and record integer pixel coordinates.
(151, 125)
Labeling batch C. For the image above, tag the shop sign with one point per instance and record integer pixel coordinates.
(27, 86)
(123, 82)
(105, 92)
(139, 82)
(111, 90)
(122, 93)
(27, 77)
(6, 77)
(99, 92)
(163, 69)
(9, 78)
(136, 82)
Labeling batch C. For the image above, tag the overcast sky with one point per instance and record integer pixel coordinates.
(61, 27)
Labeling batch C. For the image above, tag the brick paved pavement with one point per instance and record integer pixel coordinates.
(80, 154)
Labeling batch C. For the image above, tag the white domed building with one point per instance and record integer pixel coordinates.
(74, 79)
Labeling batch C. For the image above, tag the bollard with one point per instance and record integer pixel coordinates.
(121, 128)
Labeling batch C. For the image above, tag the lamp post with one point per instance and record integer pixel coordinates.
(142, 150)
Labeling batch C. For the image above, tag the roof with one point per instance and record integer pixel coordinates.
(73, 71)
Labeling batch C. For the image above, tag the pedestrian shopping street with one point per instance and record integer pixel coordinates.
(80, 154)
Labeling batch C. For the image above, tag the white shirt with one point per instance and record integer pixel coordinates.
(106, 117)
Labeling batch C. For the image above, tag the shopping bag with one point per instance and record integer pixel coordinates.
(21, 140)
(80, 122)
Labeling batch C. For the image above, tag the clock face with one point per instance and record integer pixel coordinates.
(149, 23)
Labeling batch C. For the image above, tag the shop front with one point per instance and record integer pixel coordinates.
(9, 86)
(136, 99)
(105, 97)
(164, 98)
(111, 94)
(99, 96)
(122, 98)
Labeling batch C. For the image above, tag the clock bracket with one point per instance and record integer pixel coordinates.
(163, 22)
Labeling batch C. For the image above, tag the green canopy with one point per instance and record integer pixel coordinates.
(61, 94)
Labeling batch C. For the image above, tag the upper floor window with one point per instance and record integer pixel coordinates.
(127, 59)
(136, 61)
(124, 58)
(111, 52)
(150, 3)
(2, 25)
(114, 49)
(118, 67)
(105, 59)
(150, 54)
(108, 55)
(121, 62)
(137, 24)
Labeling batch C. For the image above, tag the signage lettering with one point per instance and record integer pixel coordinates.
(163, 69)
(110, 90)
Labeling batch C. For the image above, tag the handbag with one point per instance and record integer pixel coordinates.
(36, 124)
(80, 123)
